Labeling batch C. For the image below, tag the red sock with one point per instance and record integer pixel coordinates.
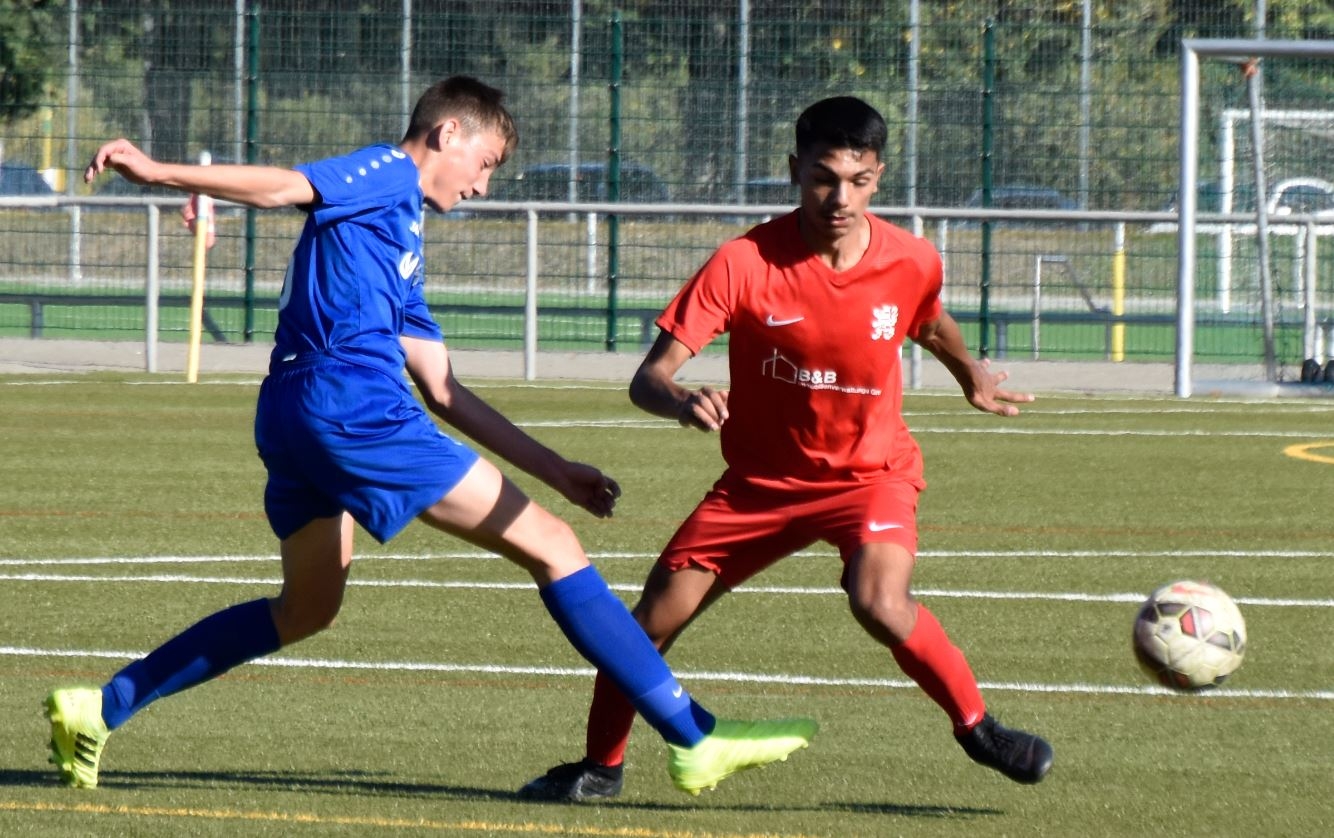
(929, 658)
(610, 717)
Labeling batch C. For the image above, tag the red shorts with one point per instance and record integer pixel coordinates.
(736, 531)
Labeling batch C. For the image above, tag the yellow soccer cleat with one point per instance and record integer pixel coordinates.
(78, 735)
(736, 746)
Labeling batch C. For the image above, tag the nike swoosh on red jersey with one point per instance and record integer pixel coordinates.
(773, 321)
(876, 526)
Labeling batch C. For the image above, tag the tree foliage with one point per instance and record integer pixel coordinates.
(28, 52)
(330, 73)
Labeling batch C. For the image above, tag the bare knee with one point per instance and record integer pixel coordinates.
(888, 617)
(671, 601)
(879, 584)
(545, 546)
(661, 628)
(297, 618)
(316, 560)
(556, 537)
(491, 512)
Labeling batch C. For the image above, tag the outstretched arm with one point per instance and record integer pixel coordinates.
(445, 396)
(942, 338)
(256, 186)
(654, 388)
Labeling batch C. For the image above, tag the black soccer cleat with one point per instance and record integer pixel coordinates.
(1021, 756)
(576, 782)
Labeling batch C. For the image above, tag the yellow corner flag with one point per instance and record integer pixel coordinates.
(198, 215)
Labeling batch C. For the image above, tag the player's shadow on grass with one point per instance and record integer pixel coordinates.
(346, 782)
(903, 810)
(380, 785)
(353, 782)
(911, 810)
(906, 810)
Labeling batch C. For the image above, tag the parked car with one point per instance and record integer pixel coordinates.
(1020, 197)
(112, 185)
(550, 182)
(1023, 197)
(20, 179)
(1301, 196)
(772, 190)
(1209, 198)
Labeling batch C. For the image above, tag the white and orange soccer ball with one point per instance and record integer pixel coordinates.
(1189, 636)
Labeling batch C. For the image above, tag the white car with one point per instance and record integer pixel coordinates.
(1302, 196)
(1291, 196)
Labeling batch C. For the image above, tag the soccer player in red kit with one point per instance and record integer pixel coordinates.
(818, 304)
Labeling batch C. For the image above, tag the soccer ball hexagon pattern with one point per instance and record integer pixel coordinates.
(1189, 636)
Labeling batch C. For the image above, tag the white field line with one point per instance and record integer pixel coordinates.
(1011, 429)
(1210, 405)
(1211, 409)
(1113, 432)
(75, 381)
(779, 590)
(644, 423)
(611, 555)
(792, 679)
(255, 382)
(734, 677)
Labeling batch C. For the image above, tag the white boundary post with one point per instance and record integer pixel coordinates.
(1227, 184)
(530, 303)
(152, 287)
(1310, 249)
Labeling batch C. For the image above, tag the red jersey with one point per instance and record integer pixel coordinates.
(814, 355)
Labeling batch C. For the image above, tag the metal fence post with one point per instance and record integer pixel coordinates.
(614, 176)
(988, 104)
(251, 156)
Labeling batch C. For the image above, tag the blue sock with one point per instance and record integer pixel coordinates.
(205, 650)
(600, 627)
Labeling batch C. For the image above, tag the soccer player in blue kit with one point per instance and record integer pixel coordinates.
(344, 440)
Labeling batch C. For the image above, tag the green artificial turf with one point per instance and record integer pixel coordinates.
(131, 507)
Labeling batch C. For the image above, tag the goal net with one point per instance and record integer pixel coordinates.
(1295, 156)
(1254, 299)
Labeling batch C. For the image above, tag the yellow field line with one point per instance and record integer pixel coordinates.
(1303, 452)
(487, 827)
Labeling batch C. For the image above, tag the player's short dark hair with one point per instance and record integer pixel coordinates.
(842, 122)
(477, 106)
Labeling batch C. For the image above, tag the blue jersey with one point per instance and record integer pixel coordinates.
(336, 424)
(354, 283)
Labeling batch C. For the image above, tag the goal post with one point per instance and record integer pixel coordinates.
(1238, 51)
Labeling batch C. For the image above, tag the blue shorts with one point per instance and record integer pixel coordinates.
(340, 437)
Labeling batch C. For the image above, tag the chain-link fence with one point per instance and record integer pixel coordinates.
(1065, 106)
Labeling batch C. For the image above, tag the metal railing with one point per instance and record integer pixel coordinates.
(990, 321)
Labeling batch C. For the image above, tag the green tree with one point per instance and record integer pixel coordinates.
(26, 55)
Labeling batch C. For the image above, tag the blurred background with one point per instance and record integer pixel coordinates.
(1071, 107)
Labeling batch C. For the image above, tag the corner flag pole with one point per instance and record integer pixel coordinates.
(198, 214)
